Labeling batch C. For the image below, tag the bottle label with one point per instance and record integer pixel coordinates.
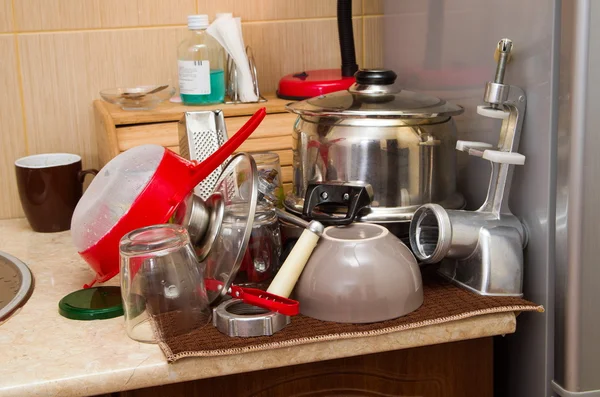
(194, 77)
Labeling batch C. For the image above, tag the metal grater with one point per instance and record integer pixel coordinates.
(200, 135)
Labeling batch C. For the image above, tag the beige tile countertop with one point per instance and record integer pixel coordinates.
(44, 354)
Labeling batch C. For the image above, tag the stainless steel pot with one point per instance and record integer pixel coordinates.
(402, 143)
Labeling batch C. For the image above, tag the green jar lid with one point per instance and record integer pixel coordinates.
(96, 303)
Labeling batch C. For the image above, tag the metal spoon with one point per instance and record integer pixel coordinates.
(137, 95)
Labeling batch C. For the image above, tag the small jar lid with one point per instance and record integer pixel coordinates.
(98, 303)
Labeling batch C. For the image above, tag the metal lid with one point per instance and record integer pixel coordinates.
(239, 319)
(238, 187)
(374, 95)
(193, 215)
(202, 219)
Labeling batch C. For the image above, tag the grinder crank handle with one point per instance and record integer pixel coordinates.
(485, 151)
(509, 102)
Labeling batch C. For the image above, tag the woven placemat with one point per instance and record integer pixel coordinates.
(443, 302)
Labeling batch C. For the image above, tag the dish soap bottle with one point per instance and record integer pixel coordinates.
(201, 65)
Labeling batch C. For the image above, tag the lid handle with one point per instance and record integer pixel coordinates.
(375, 77)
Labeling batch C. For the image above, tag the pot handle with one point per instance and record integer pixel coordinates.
(353, 196)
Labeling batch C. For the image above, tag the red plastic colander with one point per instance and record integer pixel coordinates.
(140, 187)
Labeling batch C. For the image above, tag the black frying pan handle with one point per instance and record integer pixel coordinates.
(346, 35)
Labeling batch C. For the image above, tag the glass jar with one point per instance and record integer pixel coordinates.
(269, 174)
(262, 258)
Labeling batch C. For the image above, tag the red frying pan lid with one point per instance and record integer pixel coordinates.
(312, 83)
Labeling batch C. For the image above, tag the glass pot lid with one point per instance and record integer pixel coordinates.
(374, 95)
(238, 187)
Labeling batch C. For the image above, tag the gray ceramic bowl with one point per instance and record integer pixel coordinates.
(359, 273)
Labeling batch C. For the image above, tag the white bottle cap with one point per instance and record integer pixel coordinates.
(223, 14)
(197, 21)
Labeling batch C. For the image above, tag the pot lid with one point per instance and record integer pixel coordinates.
(238, 187)
(374, 95)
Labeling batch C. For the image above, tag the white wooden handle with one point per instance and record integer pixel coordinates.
(290, 271)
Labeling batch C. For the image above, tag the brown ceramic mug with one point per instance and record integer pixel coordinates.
(50, 185)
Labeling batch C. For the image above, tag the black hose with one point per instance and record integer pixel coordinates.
(344, 18)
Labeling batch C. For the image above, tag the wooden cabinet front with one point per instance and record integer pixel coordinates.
(461, 369)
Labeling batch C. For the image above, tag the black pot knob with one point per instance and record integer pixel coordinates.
(375, 77)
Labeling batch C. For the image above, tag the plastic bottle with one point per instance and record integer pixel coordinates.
(201, 65)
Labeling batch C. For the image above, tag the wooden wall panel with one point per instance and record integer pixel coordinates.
(77, 65)
(6, 16)
(146, 12)
(263, 10)
(371, 7)
(282, 48)
(373, 42)
(56, 14)
(12, 132)
(42, 15)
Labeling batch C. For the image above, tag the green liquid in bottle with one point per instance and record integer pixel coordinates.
(217, 91)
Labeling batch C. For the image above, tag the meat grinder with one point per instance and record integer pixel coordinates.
(482, 250)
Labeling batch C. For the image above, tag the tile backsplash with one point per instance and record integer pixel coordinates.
(57, 55)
